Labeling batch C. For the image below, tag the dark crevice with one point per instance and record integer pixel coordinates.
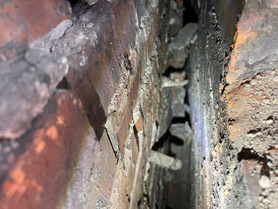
(127, 63)
(161, 141)
(74, 3)
(2, 139)
(144, 201)
(167, 137)
(247, 154)
(179, 120)
(221, 137)
(182, 119)
(115, 153)
(64, 84)
(136, 136)
(186, 99)
(176, 140)
(271, 118)
(250, 154)
(80, 7)
(254, 131)
(231, 121)
(189, 14)
(171, 70)
(128, 197)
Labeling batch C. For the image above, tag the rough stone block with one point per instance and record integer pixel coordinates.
(25, 87)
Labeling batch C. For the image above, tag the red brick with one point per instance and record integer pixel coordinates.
(23, 22)
(134, 147)
(139, 124)
(107, 167)
(45, 158)
(130, 179)
(98, 79)
(124, 128)
(153, 32)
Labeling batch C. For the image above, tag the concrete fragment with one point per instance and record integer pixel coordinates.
(46, 42)
(112, 135)
(164, 160)
(178, 51)
(184, 37)
(91, 2)
(25, 86)
(167, 82)
(175, 23)
(179, 110)
(179, 58)
(102, 203)
(181, 130)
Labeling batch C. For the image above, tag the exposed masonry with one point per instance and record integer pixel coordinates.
(133, 104)
(106, 68)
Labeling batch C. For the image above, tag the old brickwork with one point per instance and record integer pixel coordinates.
(83, 144)
(87, 101)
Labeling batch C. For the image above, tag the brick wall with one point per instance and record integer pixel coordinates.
(83, 103)
(86, 93)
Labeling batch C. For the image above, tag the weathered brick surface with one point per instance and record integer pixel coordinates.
(23, 22)
(102, 145)
(40, 165)
(251, 174)
(215, 167)
(100, 65)
(256, 33)
(251, 98)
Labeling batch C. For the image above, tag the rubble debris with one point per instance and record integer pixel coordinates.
(178, 48)
(264, 182)
(175, 23)
(91, 2)
(184, 37)
(167, 82)
(164, 160)
(181, 130)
